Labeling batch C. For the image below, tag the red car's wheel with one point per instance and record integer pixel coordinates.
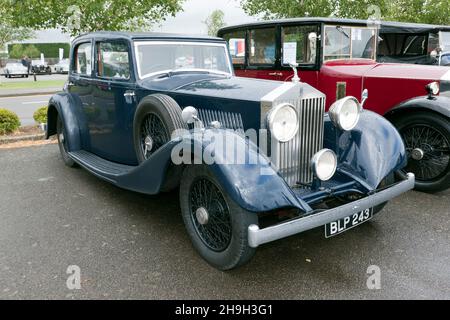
(427, 141)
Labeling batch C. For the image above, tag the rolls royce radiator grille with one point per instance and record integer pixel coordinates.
(293, 158)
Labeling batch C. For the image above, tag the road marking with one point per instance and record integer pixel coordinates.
(35, 102)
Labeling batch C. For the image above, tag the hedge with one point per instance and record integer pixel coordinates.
(9, 121)
(50, 50)
(40, 115)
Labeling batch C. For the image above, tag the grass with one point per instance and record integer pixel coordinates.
(40, 84)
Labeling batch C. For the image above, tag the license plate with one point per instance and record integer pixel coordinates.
(334, 228)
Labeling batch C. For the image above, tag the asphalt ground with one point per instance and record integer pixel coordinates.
(128, 245)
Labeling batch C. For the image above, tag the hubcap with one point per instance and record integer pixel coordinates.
(417, 154)
(153, 135)
(202, 216)
(148, 143)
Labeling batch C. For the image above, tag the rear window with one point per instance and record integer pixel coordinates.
(83, 59)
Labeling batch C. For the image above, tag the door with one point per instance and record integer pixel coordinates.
(300, 45)
(111, 121)
(80, 87)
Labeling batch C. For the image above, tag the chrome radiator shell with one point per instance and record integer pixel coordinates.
(292, 159)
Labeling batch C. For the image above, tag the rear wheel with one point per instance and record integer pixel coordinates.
(157, 118)
(62, 143)
(217, 226)
(427, 141)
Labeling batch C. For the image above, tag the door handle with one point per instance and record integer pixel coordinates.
(129, 96)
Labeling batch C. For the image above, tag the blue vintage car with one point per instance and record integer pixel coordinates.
(254, 160)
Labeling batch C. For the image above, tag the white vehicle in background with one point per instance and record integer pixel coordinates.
(15, 70)
(62, 66)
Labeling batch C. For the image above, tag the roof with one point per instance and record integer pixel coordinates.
(402, 27)
(144, 35)
(385, 25)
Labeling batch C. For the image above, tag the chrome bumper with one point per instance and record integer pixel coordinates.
(257, 236)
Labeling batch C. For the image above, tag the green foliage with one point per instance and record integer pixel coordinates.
(78, 16)
(40, 115)
(214, 22)
(8, 33)
(50, 50)
(9, 121)
(422, 11)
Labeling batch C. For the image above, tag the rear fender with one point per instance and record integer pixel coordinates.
(66, 107)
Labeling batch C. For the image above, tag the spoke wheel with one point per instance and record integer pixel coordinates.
(210, 214)
(216, 224)
(428, 151)
(153, 135)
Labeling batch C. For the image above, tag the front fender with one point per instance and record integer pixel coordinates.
(370, 152)
(251, 182)
(439, 104)
(64, 105)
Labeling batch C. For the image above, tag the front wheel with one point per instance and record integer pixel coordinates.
(217, 226)
(427, 141)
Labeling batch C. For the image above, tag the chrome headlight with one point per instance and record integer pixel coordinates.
(345, 113)
(283, 122)
(324, 164)
(433, 88)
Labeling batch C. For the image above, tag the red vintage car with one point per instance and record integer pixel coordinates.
(338, 57)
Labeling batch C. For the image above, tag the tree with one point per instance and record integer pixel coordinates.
(11, 34)
(214, 22)
(423, 11)
(32, 52)
(78, 16)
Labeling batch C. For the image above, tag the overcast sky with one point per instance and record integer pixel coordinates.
(188, 21)
(196, 11)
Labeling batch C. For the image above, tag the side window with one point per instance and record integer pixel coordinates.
(83, 59)
(299, 44)
(415, 45)
(236, 45)
(113, 60)
(262, 46)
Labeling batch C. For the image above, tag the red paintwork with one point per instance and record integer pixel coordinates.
(388, 84)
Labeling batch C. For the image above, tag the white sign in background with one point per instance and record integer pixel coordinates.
(289, 52)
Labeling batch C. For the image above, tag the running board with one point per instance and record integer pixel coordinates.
(100, 166)
(146, 178)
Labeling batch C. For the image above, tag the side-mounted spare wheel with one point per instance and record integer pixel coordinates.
(427, 140)
(217, 226)
(157, 117)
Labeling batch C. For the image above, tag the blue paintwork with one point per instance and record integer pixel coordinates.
(99, 120)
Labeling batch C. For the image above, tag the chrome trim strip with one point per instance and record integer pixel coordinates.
(257, 237)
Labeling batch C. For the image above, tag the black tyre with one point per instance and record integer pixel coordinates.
(217, 226)
(427, 141)
(157, 118)
(62, 143)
